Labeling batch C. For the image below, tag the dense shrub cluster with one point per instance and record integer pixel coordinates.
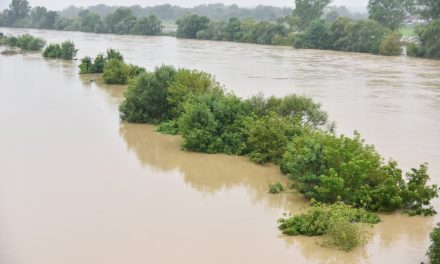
(25, 42)
(65, 51)
(331, 169)
(290, 131)
(343, 225)
(434, 249)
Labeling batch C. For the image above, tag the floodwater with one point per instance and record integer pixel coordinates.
(79, 186)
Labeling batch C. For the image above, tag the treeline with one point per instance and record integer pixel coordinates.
(307, 28)
(250, 31)
(121, 21)
(171, 12)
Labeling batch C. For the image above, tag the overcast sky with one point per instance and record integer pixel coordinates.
(60, 4)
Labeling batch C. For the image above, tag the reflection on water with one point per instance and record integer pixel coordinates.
(79, 186)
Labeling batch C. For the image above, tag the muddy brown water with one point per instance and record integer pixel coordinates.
(79, 186)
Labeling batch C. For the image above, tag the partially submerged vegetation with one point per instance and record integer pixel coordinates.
(24, 42)
(112, 65)
(65, 50)
(434, 249)
(344, 227)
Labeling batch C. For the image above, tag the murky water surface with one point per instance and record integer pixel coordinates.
(79, 186)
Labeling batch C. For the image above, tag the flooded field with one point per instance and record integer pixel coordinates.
(79, 186)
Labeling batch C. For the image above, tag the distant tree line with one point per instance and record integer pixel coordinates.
(172, 12)
(121, 21)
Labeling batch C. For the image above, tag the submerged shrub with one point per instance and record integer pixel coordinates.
(169, 127)
(25, 42)
(434, 249)
(64, 51)
(338, 221)
(275, 188)
(89, 65)
(52, 51)
(68, 51)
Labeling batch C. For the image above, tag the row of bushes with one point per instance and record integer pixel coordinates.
(290, 131)
(65, 51)
(24, 42)
(343, 34)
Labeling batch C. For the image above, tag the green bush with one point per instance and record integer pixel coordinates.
(116, 72)
(68, 51)
(330, 169)
(275, 188)
(434, 249)
(145, 100)
(52, 51)
(338, 221)
(390, 45)
(86, 66)
(169, 127)
(64, 51)
(214, 123)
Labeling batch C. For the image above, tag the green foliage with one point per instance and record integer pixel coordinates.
(390, 45)
(64, 51)
(275, 187)
(309, 10)
(25, 42)
(97, 65)
(213, 123)
(429, 9)
(169, 127)
(346, 235)
(417, 194)
(68, 51)
(434, 249)
(52, 51)
(340, 222)
(429, 37)
(390, 13)
(188, 26)
(86, 65)
(267, 136)
(146, 96)
(342, 34)
(116, 72)
(186, 83)
(330, 169)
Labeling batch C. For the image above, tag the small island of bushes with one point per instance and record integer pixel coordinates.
(346, 179)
